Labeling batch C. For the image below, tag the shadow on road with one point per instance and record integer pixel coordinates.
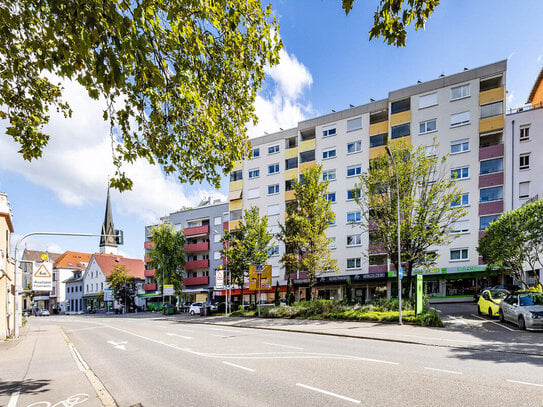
(30, 386)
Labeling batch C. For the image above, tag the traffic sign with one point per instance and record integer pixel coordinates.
(401, 272)
(108, 294)
(168, 289)
(260, 277)
(42, 276)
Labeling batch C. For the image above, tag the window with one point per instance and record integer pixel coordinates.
(354, 240)
(427, 126)
(289, 185)
(307, 156)
(256, 152)
(428, 100)
(378, 140)
(354, 124)
(525, 161)
(328, 153)
(254, 173)
(525, 133)
(217, 220)
(354, 170)
(485, 221)
(236, 215)
(403, 130)
(492, 109)
(236, 175)
(273, 189)
(378, 260)
(332, 243)
(273, 149)
(461, 226)
(490, 139)
(274, 230)
(353, 194)
(458, 254)
(332, 222)
(273, 169)
(273, 251)
(354, 147)
(216, 238)
(460, 92)
(216, 255)
(253, 193)
(463, 200)
(524, 189)
(354, 263)
(491, 166)
(331, 197)
(460, 173)
(460, 119)
(354, 217)
(400, 106)
(491, 194)
(273, 210)
(459, 146)
(329, 131)
(430, 150)
(329, 175)
(291, 163)
(291, 142)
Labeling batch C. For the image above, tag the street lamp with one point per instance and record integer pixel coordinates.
(399, 250)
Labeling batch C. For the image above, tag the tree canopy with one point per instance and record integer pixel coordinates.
(179, 77)
(430, 203)
(308, 216)
(392, 17)
(167, 256)
(514, 242)
(123, 285)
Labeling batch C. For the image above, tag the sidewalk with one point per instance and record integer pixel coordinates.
(39, 367)
(474, 337)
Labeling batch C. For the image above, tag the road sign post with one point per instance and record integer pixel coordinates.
(260, 278)
(420, 293)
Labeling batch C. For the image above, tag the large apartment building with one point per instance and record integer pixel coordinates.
(463, 113)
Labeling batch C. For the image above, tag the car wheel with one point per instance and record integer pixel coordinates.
(191, 312)
(521, 323)
(502, 318)
(479, 310)
(490, 313)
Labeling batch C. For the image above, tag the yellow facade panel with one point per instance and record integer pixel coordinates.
(379, 128)
(234, 224)
(491, 124)
(491, 95)
(235, 205)
(404, 141)
(290, 195)
(307, 145)
(238, 165)
(291, 153)
(308, 164)
(377, 151)
(236, 185)
(291, 174)
(399, 118)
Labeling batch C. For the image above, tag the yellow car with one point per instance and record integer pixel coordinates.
(489, 302)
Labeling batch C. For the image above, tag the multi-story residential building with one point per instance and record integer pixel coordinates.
(203, 228)
(462, 115)
(38, 299)
(64, 268)
(74, 294)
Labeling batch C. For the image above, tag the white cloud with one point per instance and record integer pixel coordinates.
(282, 104)
(539, 58)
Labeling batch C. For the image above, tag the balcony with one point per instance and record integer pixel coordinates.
(307, 145)
(225, 225)
(491, 123)
(146, 259)
(197, 247)
(197, 230)
(488, 152)
(491, 95)
(491, 180)
(491, 208)
(188, 281)
(196, 264)
(381, 268)
(149, 273)
(376, 248)
(149, 287)
(291, 153)
(290, 195)
(399, 118)
(148, 245)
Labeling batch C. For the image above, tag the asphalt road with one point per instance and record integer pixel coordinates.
(163, 362)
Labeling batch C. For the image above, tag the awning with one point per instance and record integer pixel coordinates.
(233, 195)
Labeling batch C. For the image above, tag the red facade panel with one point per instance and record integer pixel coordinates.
(196, 264)
(378, 268)
(197, 230)
(495, 151)
(491, 180)
(188, 281)
(148, 245)
(149, 273)
(149, 287)
(197, 247)
(490, 208)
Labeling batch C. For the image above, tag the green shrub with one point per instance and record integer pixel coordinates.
(429, 318)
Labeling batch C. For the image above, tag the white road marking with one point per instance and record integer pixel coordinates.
(529, 384)
(457, 319)
(283, 346)
(493, 322)
(238, 366)
(13, 399)
(339, 396)
(179, 336)
(442, 370)
(118, 345)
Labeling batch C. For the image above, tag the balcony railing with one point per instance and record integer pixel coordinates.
(491, 208)
(491, 180)
(196, 264)
(378, 268)
(148, 245)
(189, 281)
(149, 287)
(197, 230)
(488, 152)
(197, 247)
(149, 273)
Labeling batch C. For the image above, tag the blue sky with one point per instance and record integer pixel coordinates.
(328, 63)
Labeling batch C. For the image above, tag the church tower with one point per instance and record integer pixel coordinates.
(108, 245)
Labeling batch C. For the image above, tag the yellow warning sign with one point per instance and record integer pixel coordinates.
(260, 277)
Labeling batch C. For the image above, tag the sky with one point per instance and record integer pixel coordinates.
(327, 63)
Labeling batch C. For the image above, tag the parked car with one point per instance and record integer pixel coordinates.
(42, 313)
(489, 302)
(213, 306)
(27, 312)
(509, 287)
(478, 294)
(523, 308)
(195, 308)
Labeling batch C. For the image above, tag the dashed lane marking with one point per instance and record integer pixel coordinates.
(283, 346)
(329, 393)
(529, 384)
(442, 370)
(238, 366)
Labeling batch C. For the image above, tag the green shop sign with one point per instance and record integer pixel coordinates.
(445, 270)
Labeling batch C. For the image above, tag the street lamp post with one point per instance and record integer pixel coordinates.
(399, 250)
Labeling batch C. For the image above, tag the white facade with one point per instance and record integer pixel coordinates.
(74, 294)
(94, 280)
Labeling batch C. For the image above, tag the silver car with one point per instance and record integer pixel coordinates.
(524, 309)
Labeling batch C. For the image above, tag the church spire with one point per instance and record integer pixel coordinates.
(108, 244)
